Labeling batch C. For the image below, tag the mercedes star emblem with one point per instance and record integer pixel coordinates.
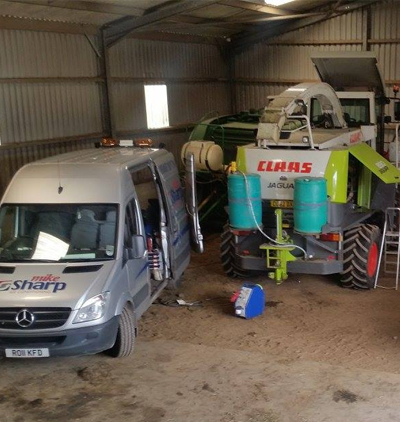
(24, 318)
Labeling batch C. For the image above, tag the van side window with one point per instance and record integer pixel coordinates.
(147, 195)
(131, 223)
(145, 187)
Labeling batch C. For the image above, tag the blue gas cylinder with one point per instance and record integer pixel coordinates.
(310, 204)
(243, 191)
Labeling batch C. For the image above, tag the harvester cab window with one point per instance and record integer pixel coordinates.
(318, 118)
(356, 111)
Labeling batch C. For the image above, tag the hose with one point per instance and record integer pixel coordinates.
(284, 245)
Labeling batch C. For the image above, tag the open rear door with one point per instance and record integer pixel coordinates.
(350, 71)
(191, 205)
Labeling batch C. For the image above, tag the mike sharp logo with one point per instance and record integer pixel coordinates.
(5, 285)
(47, 283)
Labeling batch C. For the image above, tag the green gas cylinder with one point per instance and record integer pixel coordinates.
(244, 193)
(310, 204)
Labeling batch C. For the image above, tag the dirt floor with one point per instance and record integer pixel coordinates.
(319, 353)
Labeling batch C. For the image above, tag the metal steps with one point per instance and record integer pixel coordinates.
(390, 247)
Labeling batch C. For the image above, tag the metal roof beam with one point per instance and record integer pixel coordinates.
(228, 22)
(115, 31)
(245, 40)
(240, 4)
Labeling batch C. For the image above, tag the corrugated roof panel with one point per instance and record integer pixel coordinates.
(140, 4)
(216, 11)
(33, 11)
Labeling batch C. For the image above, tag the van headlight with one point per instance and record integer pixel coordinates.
(93, 308)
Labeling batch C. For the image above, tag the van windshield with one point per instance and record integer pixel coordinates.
(58, 232)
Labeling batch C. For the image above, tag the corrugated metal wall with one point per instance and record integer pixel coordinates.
(51, 92)
(14, 156)
(195, 74)
(35, 102)
(51, 86)
(270, 67)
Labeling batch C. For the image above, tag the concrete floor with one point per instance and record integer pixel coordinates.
(319, 353)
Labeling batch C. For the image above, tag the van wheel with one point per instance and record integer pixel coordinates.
(126, 336)
(227, 255)
(361, 254)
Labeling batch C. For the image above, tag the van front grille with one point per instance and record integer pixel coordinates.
(33, 318)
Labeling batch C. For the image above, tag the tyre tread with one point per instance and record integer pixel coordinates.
(358, 242)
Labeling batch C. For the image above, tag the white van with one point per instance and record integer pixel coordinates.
(88, 240)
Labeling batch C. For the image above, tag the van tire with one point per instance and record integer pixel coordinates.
(126, 336)
(360, 254)
(227, 255)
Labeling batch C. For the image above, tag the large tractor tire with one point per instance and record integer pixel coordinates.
(227, 254)
(361, 255)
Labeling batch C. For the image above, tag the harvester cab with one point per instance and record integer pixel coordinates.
(309, 195)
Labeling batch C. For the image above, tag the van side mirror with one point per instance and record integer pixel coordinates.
(138, 249)
(388, 119)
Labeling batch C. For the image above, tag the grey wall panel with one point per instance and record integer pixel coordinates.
(173, 143)
(13, 158)
(186, 103)
(129, 106)
(256, 95)
(190, 102)
(275, 62)
(62, 114)
(385, 22)
(32, 110)
(389, 60)
(40, 111)
(45, 54)
(36, 110)
(290, 62)
(158, 59)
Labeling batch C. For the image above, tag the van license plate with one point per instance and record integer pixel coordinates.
(27, 353)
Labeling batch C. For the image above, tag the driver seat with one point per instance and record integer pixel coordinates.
(84, 233)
